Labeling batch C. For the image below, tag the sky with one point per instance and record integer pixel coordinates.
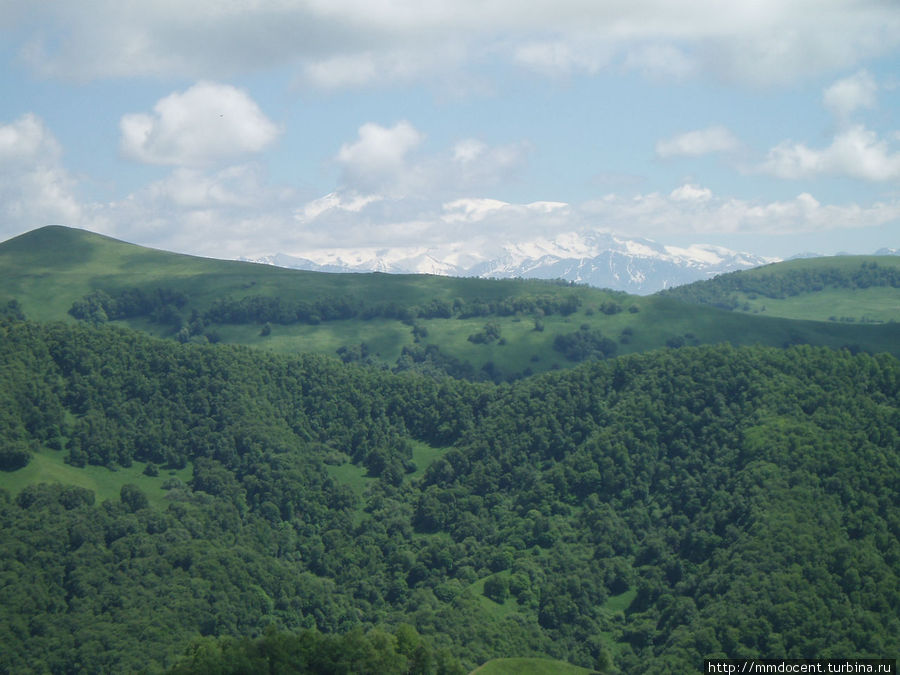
(255, 127)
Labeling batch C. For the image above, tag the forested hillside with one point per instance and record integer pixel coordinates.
(636, 514)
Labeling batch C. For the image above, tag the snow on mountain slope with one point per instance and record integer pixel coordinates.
(594, 258)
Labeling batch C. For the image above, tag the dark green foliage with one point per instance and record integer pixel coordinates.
(376, 652)
(431, 360)
(132, 497)
(161, 305)
(628, 506)
(584, 344)
(12, 311)
(490, 333)
(497, 588)
(355, 354)
(267, 309)
(13, 455)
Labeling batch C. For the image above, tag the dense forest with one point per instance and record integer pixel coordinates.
(636, 514)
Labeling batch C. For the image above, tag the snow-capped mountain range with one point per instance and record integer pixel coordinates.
(597, 259)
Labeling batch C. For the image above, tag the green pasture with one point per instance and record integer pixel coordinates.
(529, 666)
(47, 466)
(864, 305)
(495, 610)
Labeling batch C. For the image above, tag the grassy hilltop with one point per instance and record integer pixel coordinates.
(476, 328)
(846, 289)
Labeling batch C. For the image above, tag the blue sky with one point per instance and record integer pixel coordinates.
(251, 128)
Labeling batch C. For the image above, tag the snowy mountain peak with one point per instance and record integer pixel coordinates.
(594, 258)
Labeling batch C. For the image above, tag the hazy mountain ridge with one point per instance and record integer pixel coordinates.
(598, 259)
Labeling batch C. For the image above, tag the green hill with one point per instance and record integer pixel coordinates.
(847, 289)
(473, 328)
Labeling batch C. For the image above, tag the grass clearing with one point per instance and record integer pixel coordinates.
(495, 610)
(355, 477)
(47, 466)
(617, 604)
(867, 305)
(424, 456)
(529, 666)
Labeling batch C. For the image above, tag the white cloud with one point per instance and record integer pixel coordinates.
(207, 123)
(380, 67)
(473, 210)
(696, 143)
(384, 160)
(686, 210)
(561, 57)
(658, 215)
(378, 159)
(475, 164)
(35, 188)
(846, 96)
(227, 212)
(353, 203)
(691, 193)
(663, 61)
(351, 42)
(856, 152)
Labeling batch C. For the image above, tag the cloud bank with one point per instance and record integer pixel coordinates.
(353, 43)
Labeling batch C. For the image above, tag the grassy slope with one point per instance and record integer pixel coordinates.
(875, 304)
(47, 466)
(529, 666)
(49, 268)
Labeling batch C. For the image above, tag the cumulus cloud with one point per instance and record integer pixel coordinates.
(207, 123)
(691, 193)
(35, 187)
(696, 143)
(846, 96)
(351, 42)
(385, 160)
(856, 152)
(378, 159)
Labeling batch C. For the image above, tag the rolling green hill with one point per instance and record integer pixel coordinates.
(474, 328)
(846, 289)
